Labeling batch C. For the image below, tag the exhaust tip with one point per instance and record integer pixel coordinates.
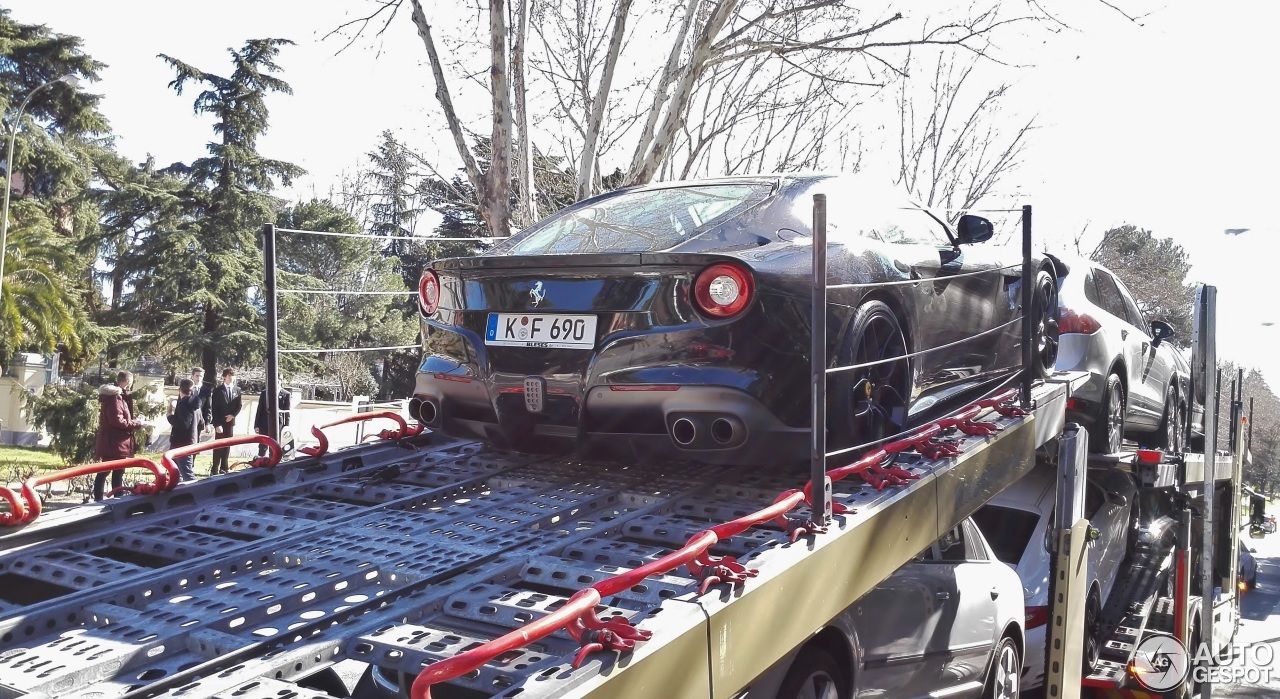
(723, 430)
(684, 431)
(428, 411)
(415, 408)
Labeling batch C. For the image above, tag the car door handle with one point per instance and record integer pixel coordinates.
(995, 592)
(1124, 334)
(942, 594)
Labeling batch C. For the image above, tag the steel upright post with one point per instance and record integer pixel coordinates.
(1027, 299)
(273, 335)
(820, 488)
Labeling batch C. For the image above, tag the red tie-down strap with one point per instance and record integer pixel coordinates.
(272, 458)
(23, 514)
(578, 615)
(404, 430)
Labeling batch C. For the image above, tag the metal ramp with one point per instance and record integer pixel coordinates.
(396, 557)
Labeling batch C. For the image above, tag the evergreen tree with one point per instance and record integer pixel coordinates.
(211, 261)
(330, 263)
(48, 301)
(138, 204)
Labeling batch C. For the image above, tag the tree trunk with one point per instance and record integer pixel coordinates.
(496, 201)
(526, 191)
(209, 353)
(699, 54)
(586, 165)
(660, 93)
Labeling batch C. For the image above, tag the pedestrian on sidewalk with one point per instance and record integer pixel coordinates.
(115, 433)
(186, 421)
(226, 406)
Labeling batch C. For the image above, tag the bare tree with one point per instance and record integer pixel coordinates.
(493, 187)
(526, 187)
(952, 149)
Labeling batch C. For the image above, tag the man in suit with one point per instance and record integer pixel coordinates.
(198, 385)
(226, 406)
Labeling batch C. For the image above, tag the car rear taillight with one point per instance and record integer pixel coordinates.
(429, 292)
(1036, 617)
(723, 290)
(1072, 322)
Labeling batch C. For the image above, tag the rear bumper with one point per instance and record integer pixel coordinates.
(715, 424)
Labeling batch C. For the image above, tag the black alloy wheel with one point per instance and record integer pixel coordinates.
(814, 675)
(1092, 644)
(1004, 677)
(1171, 423)
(1044, 331)
(871, 400)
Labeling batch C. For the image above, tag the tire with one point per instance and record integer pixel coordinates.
(1169, 437)
(1107, 432)
(1092, 643)
(1004, 675)
(1044, 333)
(870, 404)
(814, 675)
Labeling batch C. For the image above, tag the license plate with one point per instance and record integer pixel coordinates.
(541, 330)
(535, 387)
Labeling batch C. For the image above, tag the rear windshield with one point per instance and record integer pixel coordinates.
(1008, 531)
(643, 221)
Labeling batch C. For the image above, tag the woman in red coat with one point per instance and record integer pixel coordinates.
(115, 433)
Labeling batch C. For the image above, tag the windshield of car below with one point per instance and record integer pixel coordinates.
(642, 221)
(1008, 531)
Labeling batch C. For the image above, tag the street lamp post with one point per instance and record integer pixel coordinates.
(70, 80)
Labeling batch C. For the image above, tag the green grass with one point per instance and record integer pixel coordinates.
(17, 461)
(24, 459)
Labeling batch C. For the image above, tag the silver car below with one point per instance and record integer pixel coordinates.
(947, 624)
(1135, 389)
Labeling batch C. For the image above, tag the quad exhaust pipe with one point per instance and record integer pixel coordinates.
(683, 431)
(723, 430)
(703, 431)
(423, 410)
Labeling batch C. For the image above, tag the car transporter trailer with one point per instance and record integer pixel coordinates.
(442, 568)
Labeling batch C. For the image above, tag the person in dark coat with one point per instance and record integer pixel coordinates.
(115, 435)
(186, 420)
(226, 406)
(260, 417)
(197, 386)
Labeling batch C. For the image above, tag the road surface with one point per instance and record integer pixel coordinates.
(1260, 625)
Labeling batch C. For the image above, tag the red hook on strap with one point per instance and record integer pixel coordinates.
(273, 457)
(403, 431)
(20, 514)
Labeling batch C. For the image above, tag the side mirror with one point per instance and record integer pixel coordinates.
(1256, 533)
(1160, 331)
(1253, 550)
(974, 229)
(1118, 500)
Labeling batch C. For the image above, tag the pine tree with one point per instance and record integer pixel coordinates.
(212, 261)
(48, 301)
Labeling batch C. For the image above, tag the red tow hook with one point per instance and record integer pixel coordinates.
(273, 457)
(18, 514)
(403, 431)
(713, 570)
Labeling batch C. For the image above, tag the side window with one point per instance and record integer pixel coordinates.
(1091, 289)
(1135, 314)
(889, 225)
(1109, 293)
(974, 550)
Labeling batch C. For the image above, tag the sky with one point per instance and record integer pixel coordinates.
(1168, 123)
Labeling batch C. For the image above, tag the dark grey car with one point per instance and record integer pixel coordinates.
(1135, 388)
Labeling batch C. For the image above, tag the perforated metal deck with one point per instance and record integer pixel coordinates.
(260, 584)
